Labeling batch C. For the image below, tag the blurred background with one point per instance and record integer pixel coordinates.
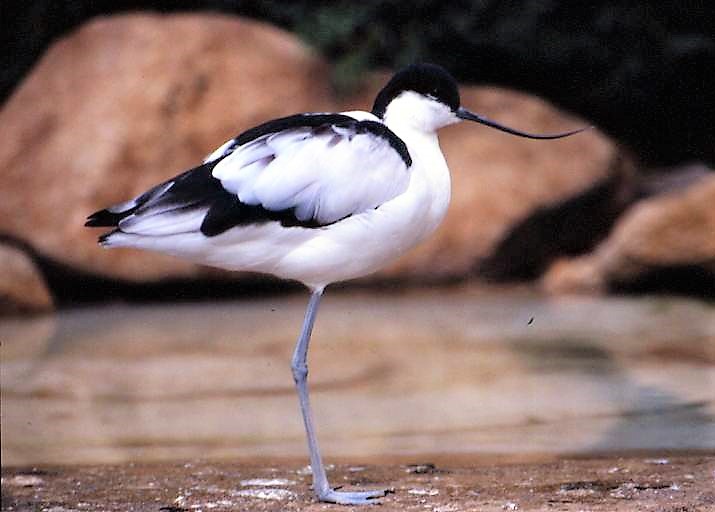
(566, 305)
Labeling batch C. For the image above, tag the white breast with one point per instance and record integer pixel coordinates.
(362, 244)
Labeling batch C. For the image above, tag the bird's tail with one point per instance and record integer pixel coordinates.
(114, 215)
(110, 217)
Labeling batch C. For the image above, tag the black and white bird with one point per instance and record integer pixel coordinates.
(313, 197)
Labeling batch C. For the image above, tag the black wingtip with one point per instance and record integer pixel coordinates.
(104, 218)
(103, 240)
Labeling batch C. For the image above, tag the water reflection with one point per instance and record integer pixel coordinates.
(423, 373)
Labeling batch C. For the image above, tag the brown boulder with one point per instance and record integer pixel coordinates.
(671, 230)
(22, 286)
(128, 101)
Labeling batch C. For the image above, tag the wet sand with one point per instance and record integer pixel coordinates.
(667, 484)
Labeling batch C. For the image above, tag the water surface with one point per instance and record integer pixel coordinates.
(430, 372)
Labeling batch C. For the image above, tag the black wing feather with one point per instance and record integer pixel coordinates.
(105, 218)
(197, 187)
(320, 121)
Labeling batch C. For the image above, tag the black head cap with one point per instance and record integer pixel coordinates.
(428, 79)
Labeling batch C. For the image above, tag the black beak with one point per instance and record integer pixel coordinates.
(463, 113)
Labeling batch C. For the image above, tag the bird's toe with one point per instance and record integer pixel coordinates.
(354, 497)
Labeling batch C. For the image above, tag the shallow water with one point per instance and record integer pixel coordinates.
(433, 372)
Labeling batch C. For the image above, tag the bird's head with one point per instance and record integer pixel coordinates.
(426, 97)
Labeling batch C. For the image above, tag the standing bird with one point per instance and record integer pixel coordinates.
(313, 197)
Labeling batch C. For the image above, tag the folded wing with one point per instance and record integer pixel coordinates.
(308, 170)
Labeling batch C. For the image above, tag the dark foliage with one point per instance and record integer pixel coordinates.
(642, 71)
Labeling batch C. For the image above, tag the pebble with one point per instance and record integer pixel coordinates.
(265, 494)
(424, 492)
(214, 504)
(624, 491)
(446, 508)
(23, 481)
(266, 482)
(421, 468)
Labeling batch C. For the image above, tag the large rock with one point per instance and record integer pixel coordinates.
(669, 235)
(22, 286)
(128, 101)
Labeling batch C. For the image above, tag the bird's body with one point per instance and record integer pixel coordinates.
(366, 201)
(317, 198)
(363, 234)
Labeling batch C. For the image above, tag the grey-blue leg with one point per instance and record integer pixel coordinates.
(300, 374)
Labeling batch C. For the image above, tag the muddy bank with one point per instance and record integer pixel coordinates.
(655, 482)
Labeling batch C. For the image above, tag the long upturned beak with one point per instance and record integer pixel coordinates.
(463, 113)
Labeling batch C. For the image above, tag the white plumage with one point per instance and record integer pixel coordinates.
(325, 176)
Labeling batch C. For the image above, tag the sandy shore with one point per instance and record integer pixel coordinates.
(657, 482)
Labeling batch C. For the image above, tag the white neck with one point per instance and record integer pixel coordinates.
(416, 112)
(415, 119)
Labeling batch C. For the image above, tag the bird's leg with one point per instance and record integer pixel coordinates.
(299, 365)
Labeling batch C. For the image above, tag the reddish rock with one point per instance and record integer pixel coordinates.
(22, 287)
(580, 275)
(675, 229)
(128, 101)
